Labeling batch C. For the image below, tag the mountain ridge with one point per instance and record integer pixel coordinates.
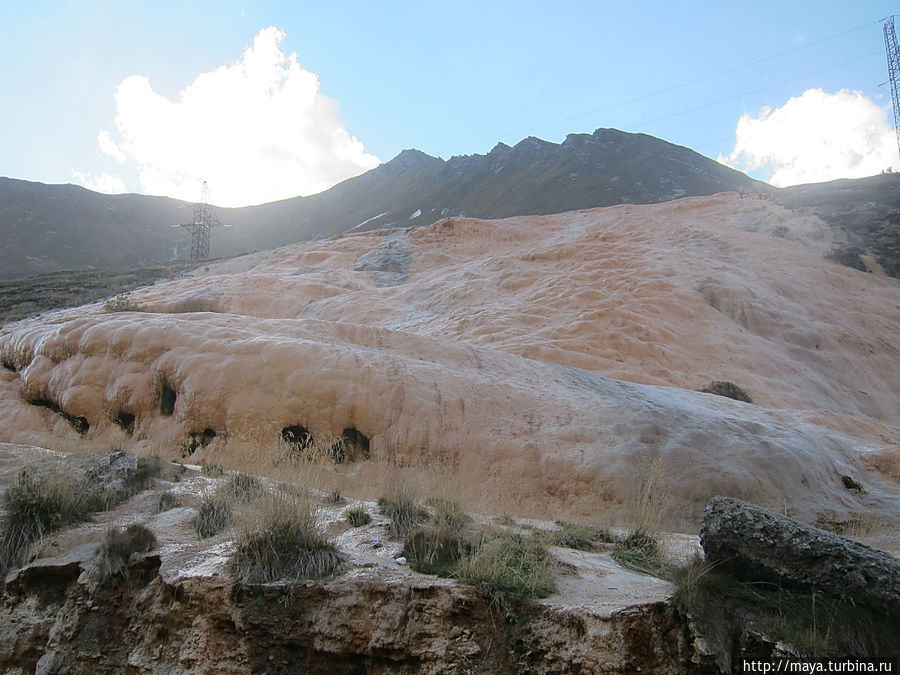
(49, 228)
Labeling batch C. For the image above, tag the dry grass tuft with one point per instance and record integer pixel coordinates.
(358, 516)
(281, 542)
(403, 510)
(119, 547)
(40, 501)
(508, 563)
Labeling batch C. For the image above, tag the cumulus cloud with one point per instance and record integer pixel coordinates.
(257, 130)
(105, 182)
(816, 137)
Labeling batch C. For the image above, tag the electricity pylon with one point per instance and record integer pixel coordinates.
(204, 219)
(893, 59)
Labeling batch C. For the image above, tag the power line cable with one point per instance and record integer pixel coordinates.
(660, 92)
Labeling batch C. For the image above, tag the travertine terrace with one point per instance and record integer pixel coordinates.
(546, 361)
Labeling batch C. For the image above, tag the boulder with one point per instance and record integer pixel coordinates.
(755, 544)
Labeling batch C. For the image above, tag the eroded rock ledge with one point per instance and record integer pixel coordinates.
(53, 620)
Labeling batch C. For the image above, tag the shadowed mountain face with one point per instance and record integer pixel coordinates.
(866, 211)
(51, 227)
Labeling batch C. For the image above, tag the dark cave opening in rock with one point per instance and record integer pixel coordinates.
(354, 446)
(167, 400)
(79, 423)
(297, 438)
(125, 420)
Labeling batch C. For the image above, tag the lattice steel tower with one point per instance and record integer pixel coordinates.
(204, 219)
(893, 59)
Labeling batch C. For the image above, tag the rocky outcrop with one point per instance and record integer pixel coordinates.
(54, 620)
(753, 543)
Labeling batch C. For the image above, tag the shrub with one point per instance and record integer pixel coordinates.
(728, 390)
(358, 516)
(213, 515)
(39, 502)
(508, 563)
(405, 513)
(118, 548)
(122, 303)
(282, 542)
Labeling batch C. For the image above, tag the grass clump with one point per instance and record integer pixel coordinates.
(334, 498)
(282, 542)
(435, 550)
(147, 471)
(242, 488)
(405, 513)
(213, 470)
(213, 515)
(508, 563)
(728, 390)
(165, 501)
(448, 514)
(39, 502)
(641, 551)
(812, 623)
(119, 547)
(358, 516)
(580, 537)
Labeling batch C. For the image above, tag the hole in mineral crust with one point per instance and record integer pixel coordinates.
(80, 424)
(167, 402)
(126, 421)
(356, 445)
(297, 438)
(207, 436)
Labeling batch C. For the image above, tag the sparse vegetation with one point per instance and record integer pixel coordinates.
(505, 562)
(165, 501)
(334, 498)
(119, 547)
(813, 624)
(40, 501)
(213, 515)
(216, 511)
(122, 303)
(405, 513)
(282, 542)
(242, 488)
(447, 514)
(213, 470)
(642, 552)
(728, 390)
(580, 537)
(358, 516)
(435, 550)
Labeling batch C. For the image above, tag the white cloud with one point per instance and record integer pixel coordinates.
(105, 182)
(816, 137)
(257, 130)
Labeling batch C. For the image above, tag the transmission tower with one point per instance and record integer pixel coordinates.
(204, 218)
(893, 59)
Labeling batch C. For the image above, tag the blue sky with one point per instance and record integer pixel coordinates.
(371, 79)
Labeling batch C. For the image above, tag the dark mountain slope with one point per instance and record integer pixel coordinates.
(867, 210)
(47, 228)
